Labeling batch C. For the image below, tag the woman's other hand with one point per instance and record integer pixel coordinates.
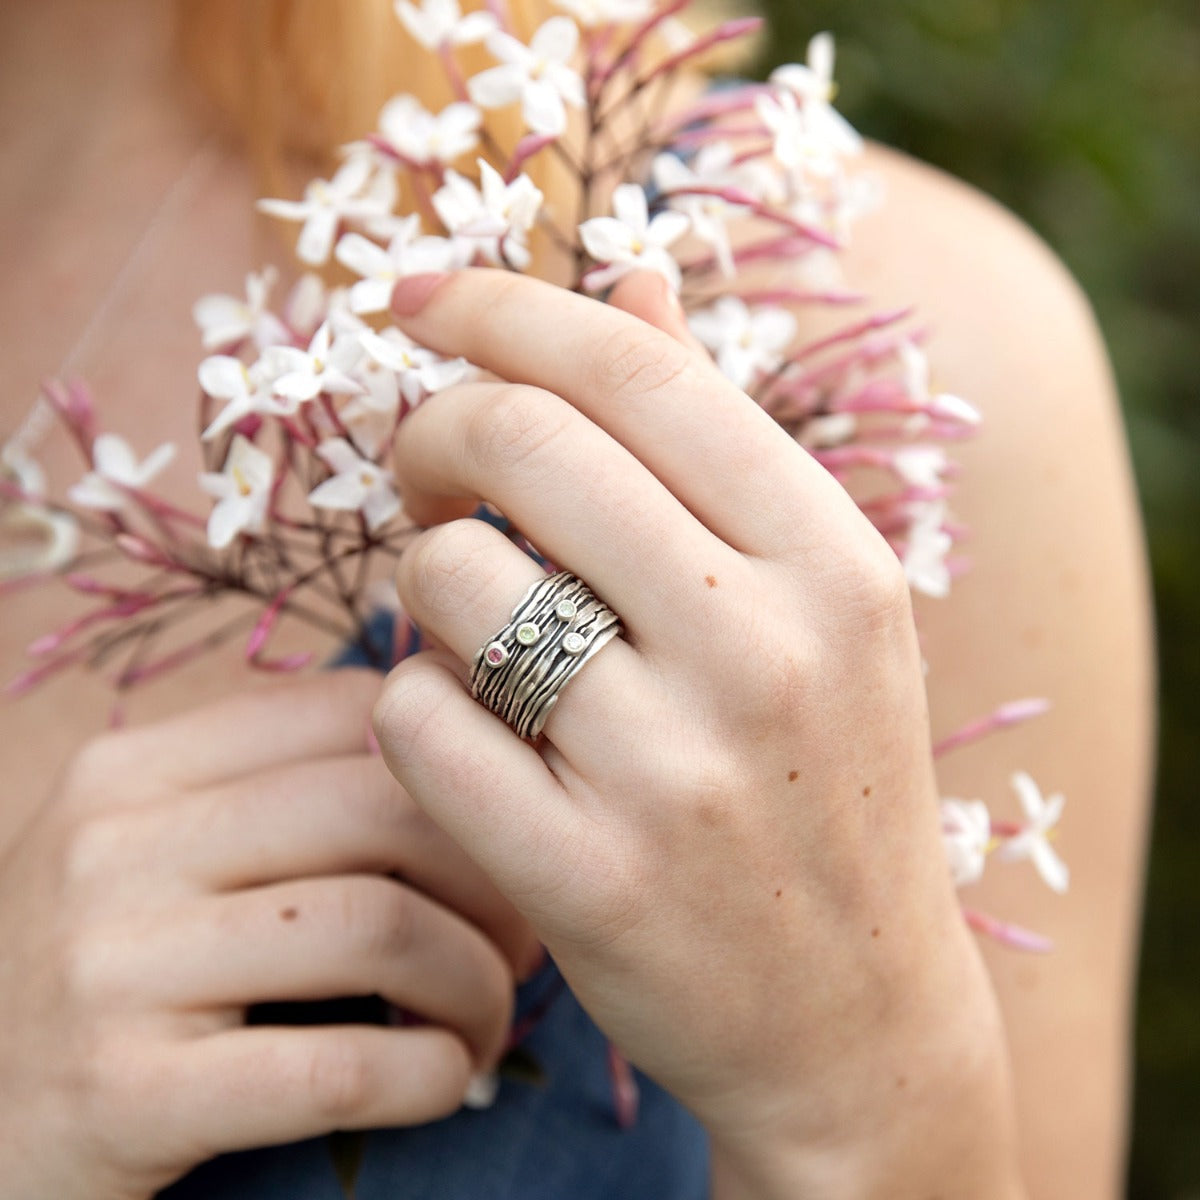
(250, 851)
(729, 839)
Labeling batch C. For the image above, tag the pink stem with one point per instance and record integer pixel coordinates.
(624, 1088)
(1013, 713)
(28, 680)
(1006, 934)
(262, 629)
(717, 105)
(453, 74)
(727, 31)
(638, 36)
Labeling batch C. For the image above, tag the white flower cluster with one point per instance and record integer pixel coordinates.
(345, 383)
(969, 835)
(753, 175)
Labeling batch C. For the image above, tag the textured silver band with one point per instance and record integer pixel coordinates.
(555, 628)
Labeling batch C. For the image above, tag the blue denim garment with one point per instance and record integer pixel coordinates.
(555, 1139)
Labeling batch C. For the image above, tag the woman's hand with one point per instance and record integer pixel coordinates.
(729, 837)
(181, 872)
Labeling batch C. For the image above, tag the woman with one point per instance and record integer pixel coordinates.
(730, 845)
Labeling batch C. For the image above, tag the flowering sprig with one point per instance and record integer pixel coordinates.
(298, 407)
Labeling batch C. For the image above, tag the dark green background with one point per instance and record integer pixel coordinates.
(1083, 116)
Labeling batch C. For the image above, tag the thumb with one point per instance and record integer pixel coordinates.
(647, 295)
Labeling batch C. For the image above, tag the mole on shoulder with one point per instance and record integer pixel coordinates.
(288, 914)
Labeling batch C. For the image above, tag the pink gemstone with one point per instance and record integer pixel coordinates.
(495, 655)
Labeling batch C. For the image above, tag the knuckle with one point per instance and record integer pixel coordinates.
(410, 703)
(638, 362)
(338, 1080)
(378, 804)
(100, 759)
(444, 567)
(94, 845)
(83, 966)
(876, 596)
(514, 425)
(376, 916)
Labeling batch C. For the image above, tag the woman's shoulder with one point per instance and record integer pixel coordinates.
(1055, 604)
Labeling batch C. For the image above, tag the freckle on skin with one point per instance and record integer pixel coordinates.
(875, 931)
(901, 1081)
(778, 893)
(711, 580)
(867, 790)
(793, 776)
(288, 914)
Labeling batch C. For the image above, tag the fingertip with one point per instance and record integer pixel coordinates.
(649, 297)
(531, 962)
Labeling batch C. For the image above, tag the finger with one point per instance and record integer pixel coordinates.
(649, 297)
(491, 792)
(461, 581)
(330, 817)
(320, 939)
(262, 1086)
(712, 446)
(316, 716)
(580, 497)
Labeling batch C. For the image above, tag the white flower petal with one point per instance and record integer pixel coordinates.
(629, 206)
(289, 210)
(316, 238)
(154, 462)
(380, 506)
(474, 27)
(667, 227)
(1050, 867)
(371, 295)
(344, 492)
(93, 491)
(226, 520)
(542, 108)
(363, 256)
(223, 377)
(606, 239)
(497, 86)
(298, 385)
(556, 39)
(114, 458)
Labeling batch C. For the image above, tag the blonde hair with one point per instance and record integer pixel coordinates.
(295, 79)
(302, 77)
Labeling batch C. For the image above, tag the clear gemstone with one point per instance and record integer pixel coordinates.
(565, 610)
(574, 643)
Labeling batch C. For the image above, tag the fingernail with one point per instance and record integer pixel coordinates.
(410, 293)
(671, 300)
(533, 964)
(481, 1091)
(373, 746)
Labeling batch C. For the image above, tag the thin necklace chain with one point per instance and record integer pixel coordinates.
(30, 433)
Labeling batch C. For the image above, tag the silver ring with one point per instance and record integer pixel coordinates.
(555, 628)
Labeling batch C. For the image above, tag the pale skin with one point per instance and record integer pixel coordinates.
(131, 1064)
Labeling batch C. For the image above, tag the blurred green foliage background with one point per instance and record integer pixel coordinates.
(1083, 116)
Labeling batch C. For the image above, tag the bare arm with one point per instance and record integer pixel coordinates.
(1056, 605)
